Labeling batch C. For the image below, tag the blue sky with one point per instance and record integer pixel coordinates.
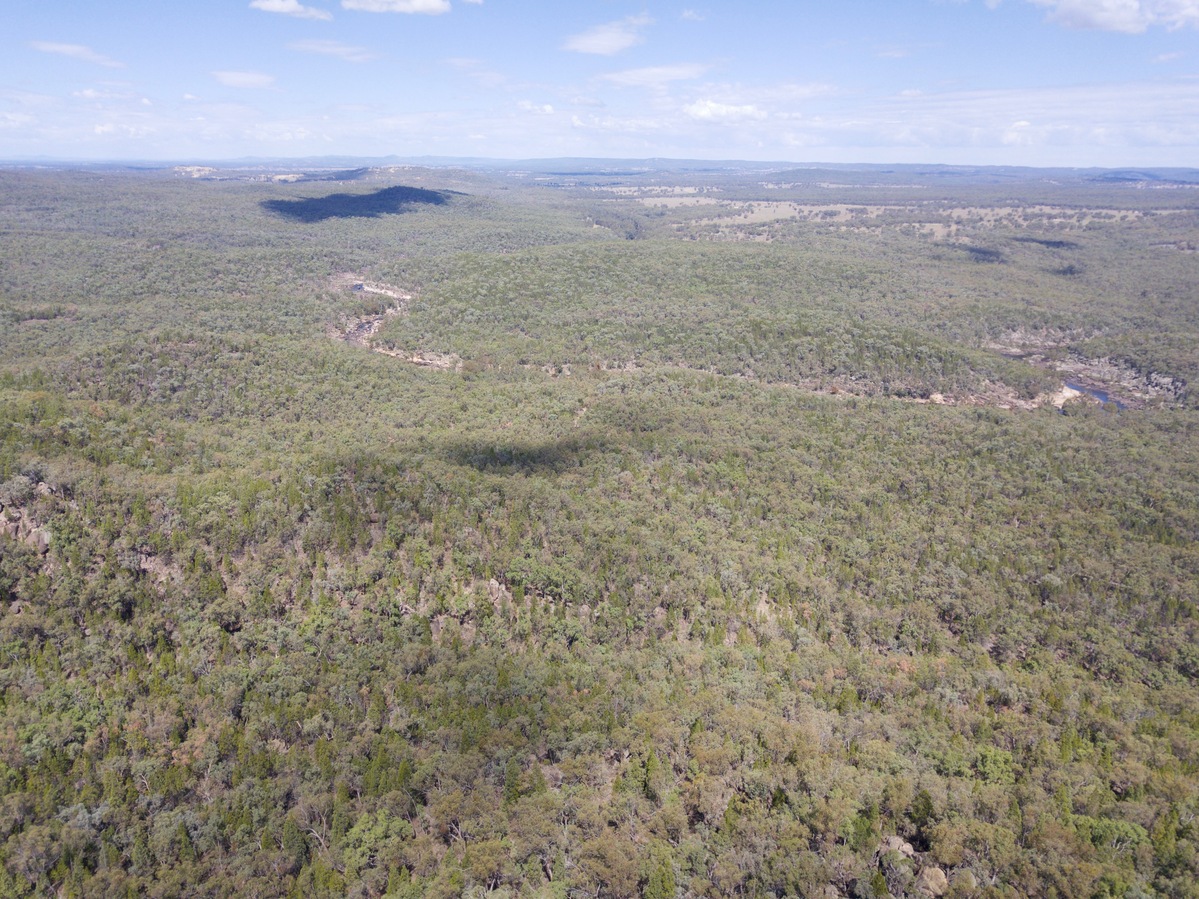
(1014, 82)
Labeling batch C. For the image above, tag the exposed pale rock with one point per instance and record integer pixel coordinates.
(932, 882)
(39, 539)
(896, 844)
(497, 592)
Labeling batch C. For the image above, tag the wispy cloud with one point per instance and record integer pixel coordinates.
(15, 120)
(122, 130)
(333, 48)
(418, 7)
(731, 103)
(290, 8)
(691, 15)
(655, 76)
(252, 80)
(610, 38)
(1128, 16)
(1101, 124)
(1096, 117)
(711, 111)
(1147, 123)
(637, 126)
(477, 69)
(77, 51)
(91, 93)
(789, 92)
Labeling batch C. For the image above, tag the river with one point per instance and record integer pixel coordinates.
(1100, 395)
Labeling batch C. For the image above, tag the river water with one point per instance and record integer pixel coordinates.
(1100, 395)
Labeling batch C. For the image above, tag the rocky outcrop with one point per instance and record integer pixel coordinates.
(932, 882)
(896, 844)
(17, 521)
(1123, 380)
(1119, 377)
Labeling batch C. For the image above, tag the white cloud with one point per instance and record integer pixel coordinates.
(655, 76)
(1084, 123)
(1019, 134)
(1167, 57)
(244, 79)
(789, 92)
(422, 7)
(333, 48)
(124, 130)
(77, 51)
(640, 126)
(290, 8)
(280, 132)
(691, 15)
(15, 120)
(1100, 124)
(538, 108)
(91, 93)
(610, 38)
(1128, 16)
(711, 111)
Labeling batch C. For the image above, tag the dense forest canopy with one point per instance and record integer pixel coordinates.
(568, 532)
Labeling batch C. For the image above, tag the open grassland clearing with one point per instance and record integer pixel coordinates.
(934, 217)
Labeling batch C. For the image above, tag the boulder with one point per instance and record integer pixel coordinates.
(896, 844)
(932, 882)
(497, 592)
(39, 539)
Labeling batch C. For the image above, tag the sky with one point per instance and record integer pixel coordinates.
(975, 82)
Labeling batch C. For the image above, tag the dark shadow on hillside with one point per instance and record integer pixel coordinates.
(1046, 242)
(387, 201)
(526, 457)
(984, 254)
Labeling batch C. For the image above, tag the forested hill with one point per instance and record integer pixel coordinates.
(458, 532)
